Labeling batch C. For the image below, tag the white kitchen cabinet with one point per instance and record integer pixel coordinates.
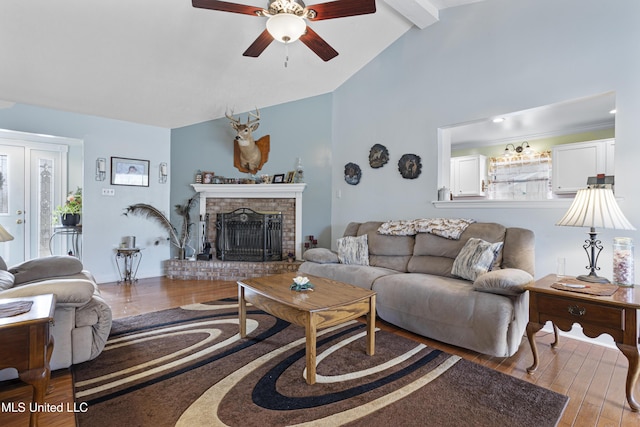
(609, 148)
(574, 163)
(468, 175)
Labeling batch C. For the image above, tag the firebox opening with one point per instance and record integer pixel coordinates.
(247, 235)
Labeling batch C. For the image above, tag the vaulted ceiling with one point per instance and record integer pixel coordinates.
(168, 64)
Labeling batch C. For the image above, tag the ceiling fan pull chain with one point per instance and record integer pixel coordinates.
(286, 54)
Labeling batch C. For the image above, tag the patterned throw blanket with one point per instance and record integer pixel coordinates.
(449, 228)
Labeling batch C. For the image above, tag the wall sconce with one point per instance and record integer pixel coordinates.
(162, 175)
(101, 169)
(524, 147)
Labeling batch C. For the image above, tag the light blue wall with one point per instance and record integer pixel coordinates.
(481, 60)
(296, 129)
(103, 222)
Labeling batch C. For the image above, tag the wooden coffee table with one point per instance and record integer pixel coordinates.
(330, 303)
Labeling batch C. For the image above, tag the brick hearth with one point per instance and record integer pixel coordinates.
(225, 270)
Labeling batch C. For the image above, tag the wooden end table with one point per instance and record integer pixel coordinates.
(30, 342)
(616, 315)
(330, 303)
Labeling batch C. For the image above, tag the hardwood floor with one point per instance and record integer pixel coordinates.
(592, 376)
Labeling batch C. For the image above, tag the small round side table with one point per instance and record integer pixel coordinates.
(128, 261)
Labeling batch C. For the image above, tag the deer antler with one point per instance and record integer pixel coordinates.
(257, 117)
(230, 117)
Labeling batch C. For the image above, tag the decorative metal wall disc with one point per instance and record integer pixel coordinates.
(352, 173)
(410, 166)
(378, 156)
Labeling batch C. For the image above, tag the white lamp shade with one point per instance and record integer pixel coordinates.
(595, 207)
(286, 27)
(4, 235)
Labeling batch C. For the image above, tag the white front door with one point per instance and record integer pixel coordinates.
(31, 185)
(12, 202)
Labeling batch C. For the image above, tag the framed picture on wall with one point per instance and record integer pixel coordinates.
(129, 172)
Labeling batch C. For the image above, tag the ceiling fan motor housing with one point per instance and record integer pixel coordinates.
(294, 7)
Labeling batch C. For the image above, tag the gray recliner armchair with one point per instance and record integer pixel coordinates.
(82, 318)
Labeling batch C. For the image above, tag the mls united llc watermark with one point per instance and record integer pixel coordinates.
(44, 407)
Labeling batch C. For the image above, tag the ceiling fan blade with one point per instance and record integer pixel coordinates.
(318, 45)
(259, 45)
(225, 6)
(342, 8)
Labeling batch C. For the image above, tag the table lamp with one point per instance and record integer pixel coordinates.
(595, 206)
(4, 235)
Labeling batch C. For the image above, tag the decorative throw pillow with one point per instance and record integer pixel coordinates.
(475, 258)
(6, 280)
(508, 281)
(353, 250)
(321, 256)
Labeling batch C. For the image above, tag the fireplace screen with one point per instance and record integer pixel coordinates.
(247, 235)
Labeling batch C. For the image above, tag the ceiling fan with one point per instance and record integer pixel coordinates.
(287, 21)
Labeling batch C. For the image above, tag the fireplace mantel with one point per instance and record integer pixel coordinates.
(270, 191)
(256, 191)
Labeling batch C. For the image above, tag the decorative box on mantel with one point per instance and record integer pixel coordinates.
(256, 191)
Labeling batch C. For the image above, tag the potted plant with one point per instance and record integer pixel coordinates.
(69, 213)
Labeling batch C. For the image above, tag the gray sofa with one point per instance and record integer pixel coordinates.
(82, 318)
(416, 290)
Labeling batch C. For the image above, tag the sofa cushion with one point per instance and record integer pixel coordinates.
(3, 265)
(45, 268)
(321, 256)
(508, 281)
(520, 248)
(475, 258)
(6, 280)
(430, 244)
(451, 311)
(356, 275)
(427, 264)
(428, 296)
(392, 252)
(353, 250)
(352, 229)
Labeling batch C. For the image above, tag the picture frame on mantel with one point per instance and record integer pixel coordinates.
(131, 172)
(278, 179)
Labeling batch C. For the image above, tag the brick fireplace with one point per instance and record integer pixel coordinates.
(219, 198)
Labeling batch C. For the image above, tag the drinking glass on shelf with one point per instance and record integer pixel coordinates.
(560, 267)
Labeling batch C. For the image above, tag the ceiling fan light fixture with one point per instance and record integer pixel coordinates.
(286, 27)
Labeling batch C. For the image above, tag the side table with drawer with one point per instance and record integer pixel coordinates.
(616, 315)
(26, 343)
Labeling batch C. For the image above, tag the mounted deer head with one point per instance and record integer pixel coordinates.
(250, 157)
(244, 131)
